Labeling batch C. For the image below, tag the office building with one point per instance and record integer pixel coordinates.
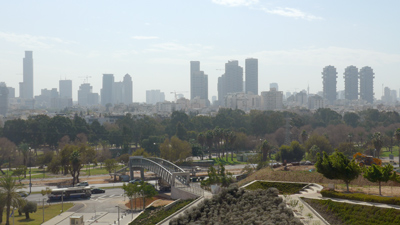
(251, 74)
(198, 82)
(3, 99)
(231, 81)
(272, 99)
(367, 84)
(154, 96)
(86, 97)
(127, 90)
(65, 87)
(11, 92)
(315, 102)
(107, 90)
(117, 93)
(329, 76)
(351, 83)
(275, 85)
(26, 87)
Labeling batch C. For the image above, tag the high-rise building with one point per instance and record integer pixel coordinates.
(329, 76)
(118, 93)
(65, 88)
(351, 83)
(3, 99)
(86, 97)
(127, 89)
(251, 73)
(367, 84)
(272, 100)
(26, 87)
(11, 92)
(198, 82)
(107, 89)
(154, 96)
(231, 81)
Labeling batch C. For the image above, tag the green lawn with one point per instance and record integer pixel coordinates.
(284, 188)
(229, 162)
(385, 152)
(37, 218)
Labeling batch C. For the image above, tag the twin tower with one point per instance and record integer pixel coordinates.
(351, 86)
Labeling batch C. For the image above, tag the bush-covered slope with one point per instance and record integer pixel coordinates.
(234, 206)
(284, 188)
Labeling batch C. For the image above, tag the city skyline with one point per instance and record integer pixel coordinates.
(149, 43)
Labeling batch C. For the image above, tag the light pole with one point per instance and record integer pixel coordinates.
(118, 214)
(89, 168)
(30, 172)
(44, 171)
(43, 210)
(62, 201)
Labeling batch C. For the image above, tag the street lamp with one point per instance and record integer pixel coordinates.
(118, 214)
(30, 172)
(89, 168)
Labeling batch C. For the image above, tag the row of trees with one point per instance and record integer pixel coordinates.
(142, 189)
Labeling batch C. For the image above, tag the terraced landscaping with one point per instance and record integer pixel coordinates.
(284, 188)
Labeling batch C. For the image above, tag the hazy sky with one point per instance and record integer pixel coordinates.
(154, 41)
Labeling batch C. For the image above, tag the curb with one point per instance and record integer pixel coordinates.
(181, 210)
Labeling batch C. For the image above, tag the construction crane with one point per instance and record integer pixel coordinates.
(179, 92)
(85, 79)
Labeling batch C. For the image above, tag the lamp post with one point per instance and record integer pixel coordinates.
(62, 201)
(89, 168)
(44, 171)
(30, 172)
(43, 210)
(118, 214)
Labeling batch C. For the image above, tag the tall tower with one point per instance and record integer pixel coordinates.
(351, 83)
(231, 81)
(107, 89)
(127, 89)
(26, 87)
(329, 76)
(198, 82)
(251, 73)
(367, 84)
(65, 88)
(3, 99)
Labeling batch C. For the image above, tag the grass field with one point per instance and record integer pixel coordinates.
(229, 162)
(36, 218)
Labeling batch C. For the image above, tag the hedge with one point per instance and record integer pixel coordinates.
(361, 197)
(284, 188)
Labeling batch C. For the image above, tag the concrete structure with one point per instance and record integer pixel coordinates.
(127, 90)
(26, 87)
(251, 73)
(117, 92)
(367, 84)
(3, 99)
(65, 87)
(315, 102)
(231, 81)
(329, 76)
(198, 82)
(46, 97)
(242, 101)
(272, 100)
(276, 86)
(301, 98)
(154, 96)
(86, 97)
(351, 83)
(107, 89)
(11, 92)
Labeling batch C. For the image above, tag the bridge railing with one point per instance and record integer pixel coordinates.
(192, 188)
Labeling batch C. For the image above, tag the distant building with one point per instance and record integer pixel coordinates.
(301, 98)
(154, 96)
(367, 84)
(351, 83)
(65, 87)
(117, 93)
(251, 74)
(86, 97)
(329, 76)
(315, 102)
(231, 81)
(26, 87)
(11, 92)
(275, 85)
(272, 100)
(198, 82)
(242, 101)
(107, 89)
(45, 99)
(127, 90)
(3, 99)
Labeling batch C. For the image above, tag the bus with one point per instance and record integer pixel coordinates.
(70, 192)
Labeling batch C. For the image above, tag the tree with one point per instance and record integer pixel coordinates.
(181, 131)
(29, 207)
(292, 153)
(321, 142)
(110, 165)
(380, 174)
(131, 190)
(147, 191)
(377, 142)
(46, 191)
(76, 166)
(9, 195)
(19, 171)
(265, 147)
(175, 150)
(397, 135)
(218, 177)
(337, 167)
(347, 149)
(351, 119)
(201, 139)
(304, 136)
(6, 151)
(209, 141)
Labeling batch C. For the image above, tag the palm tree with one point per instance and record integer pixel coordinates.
(209, 141)
(9, 195)
(397, 135)
(265, 147)
(217, 139)
(202, 141)
(377, 142)
(231, 140)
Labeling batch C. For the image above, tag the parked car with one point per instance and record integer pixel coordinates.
(85, 183)
(134, 181)
(98, 190)
(23, 194)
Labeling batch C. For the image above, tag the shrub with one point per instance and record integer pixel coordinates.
(361, 197)
(284, 188)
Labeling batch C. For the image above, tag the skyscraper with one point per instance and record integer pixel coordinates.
(86, 97)
(329, 76)
(274, 85)
(154, 96)
(26, 87)
(127, 89)
(367, 84)
(65, 88)
(251, 73)
(198, 82)
(107, 89)
(231, 81)
(3, 99)
(351, 83)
